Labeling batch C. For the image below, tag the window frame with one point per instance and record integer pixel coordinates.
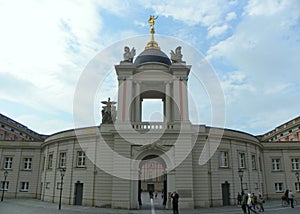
(24, 186)
(81, 159)
(278, 164)
(50, 161)
(4, 186)
(27, 163)
(62, 164)
(8, 162)
(279, 187)
(242, 160)
(224, 159)
(295, 164)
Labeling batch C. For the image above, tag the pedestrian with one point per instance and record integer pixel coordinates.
(175, 199)
(244, 202)
(260, 202)
(286, 194)
(291, 198)
(239, 198)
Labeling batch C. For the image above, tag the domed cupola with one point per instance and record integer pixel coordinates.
(152, 52)
(152, 55)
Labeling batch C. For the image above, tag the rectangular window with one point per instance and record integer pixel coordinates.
(276, 164)
(50, 161)
(58, 185)
(8, 163)
(24, 186)
(4, 185)
(62, 160)
(242, 161)
(27, 163)
(80, 159)
(297, 188)
(253, 160)
(295, 163)
(224, 159)
(279, 187)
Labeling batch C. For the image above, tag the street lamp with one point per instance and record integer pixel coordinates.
(4, 183)
(241, 172)
(297, 176)
(62, 174)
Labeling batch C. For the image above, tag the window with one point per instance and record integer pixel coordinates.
(224, 159)
(253, 159)
(295, 163)
(297, 188)
(58, 185)
(27, 163)
(1, 136)
(80, 159)
(50, 161)
(242, 160)
(279, 187)
(62, 160)
(8, 162)
(276, 164)
(4, 185)
(24, 186)
(48, 185)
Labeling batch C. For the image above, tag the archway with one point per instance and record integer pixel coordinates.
(152, 184)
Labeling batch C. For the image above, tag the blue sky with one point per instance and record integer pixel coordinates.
(253, 47)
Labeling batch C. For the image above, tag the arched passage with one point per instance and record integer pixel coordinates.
(152, 183)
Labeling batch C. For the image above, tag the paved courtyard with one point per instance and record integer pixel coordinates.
(34, 206)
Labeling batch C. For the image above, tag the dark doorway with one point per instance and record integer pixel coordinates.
(150, 187)
(78, 193)
(226, 193)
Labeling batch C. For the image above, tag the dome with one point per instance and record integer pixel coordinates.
(152, 55)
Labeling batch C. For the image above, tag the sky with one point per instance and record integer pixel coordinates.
(253, 47)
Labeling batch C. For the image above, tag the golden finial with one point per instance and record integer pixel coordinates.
(151, 21)
(152, 43)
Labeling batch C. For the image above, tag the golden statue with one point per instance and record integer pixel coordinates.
(151, 21)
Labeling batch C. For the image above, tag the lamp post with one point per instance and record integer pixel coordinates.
(3, 187)
(297, 176)
(241, 172)
(62, 174)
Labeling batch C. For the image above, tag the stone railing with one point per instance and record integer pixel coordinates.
(152, 126)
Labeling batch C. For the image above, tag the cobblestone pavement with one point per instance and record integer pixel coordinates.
(34, 206)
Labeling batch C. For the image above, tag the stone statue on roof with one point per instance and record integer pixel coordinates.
(128, 54)
(176, 56)
(108, 112)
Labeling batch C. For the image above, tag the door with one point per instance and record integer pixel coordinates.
(225, 194)
(78, 193)
(150, 187)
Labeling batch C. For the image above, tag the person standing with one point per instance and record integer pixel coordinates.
(244, 202)
(291, 198)
(239, 198)
(175, 199)
(260, 202)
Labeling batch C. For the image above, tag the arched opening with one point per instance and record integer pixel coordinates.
(152, 184)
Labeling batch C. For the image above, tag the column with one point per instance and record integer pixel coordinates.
(168, 103)
(120, 100)
(137, 102)
(184, 98)
(176, 102)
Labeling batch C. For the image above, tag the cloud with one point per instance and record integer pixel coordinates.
(264, 47)
(217, 31)
(230, 16)
(206, 13)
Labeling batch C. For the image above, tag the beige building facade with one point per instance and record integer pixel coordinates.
(103, 164)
